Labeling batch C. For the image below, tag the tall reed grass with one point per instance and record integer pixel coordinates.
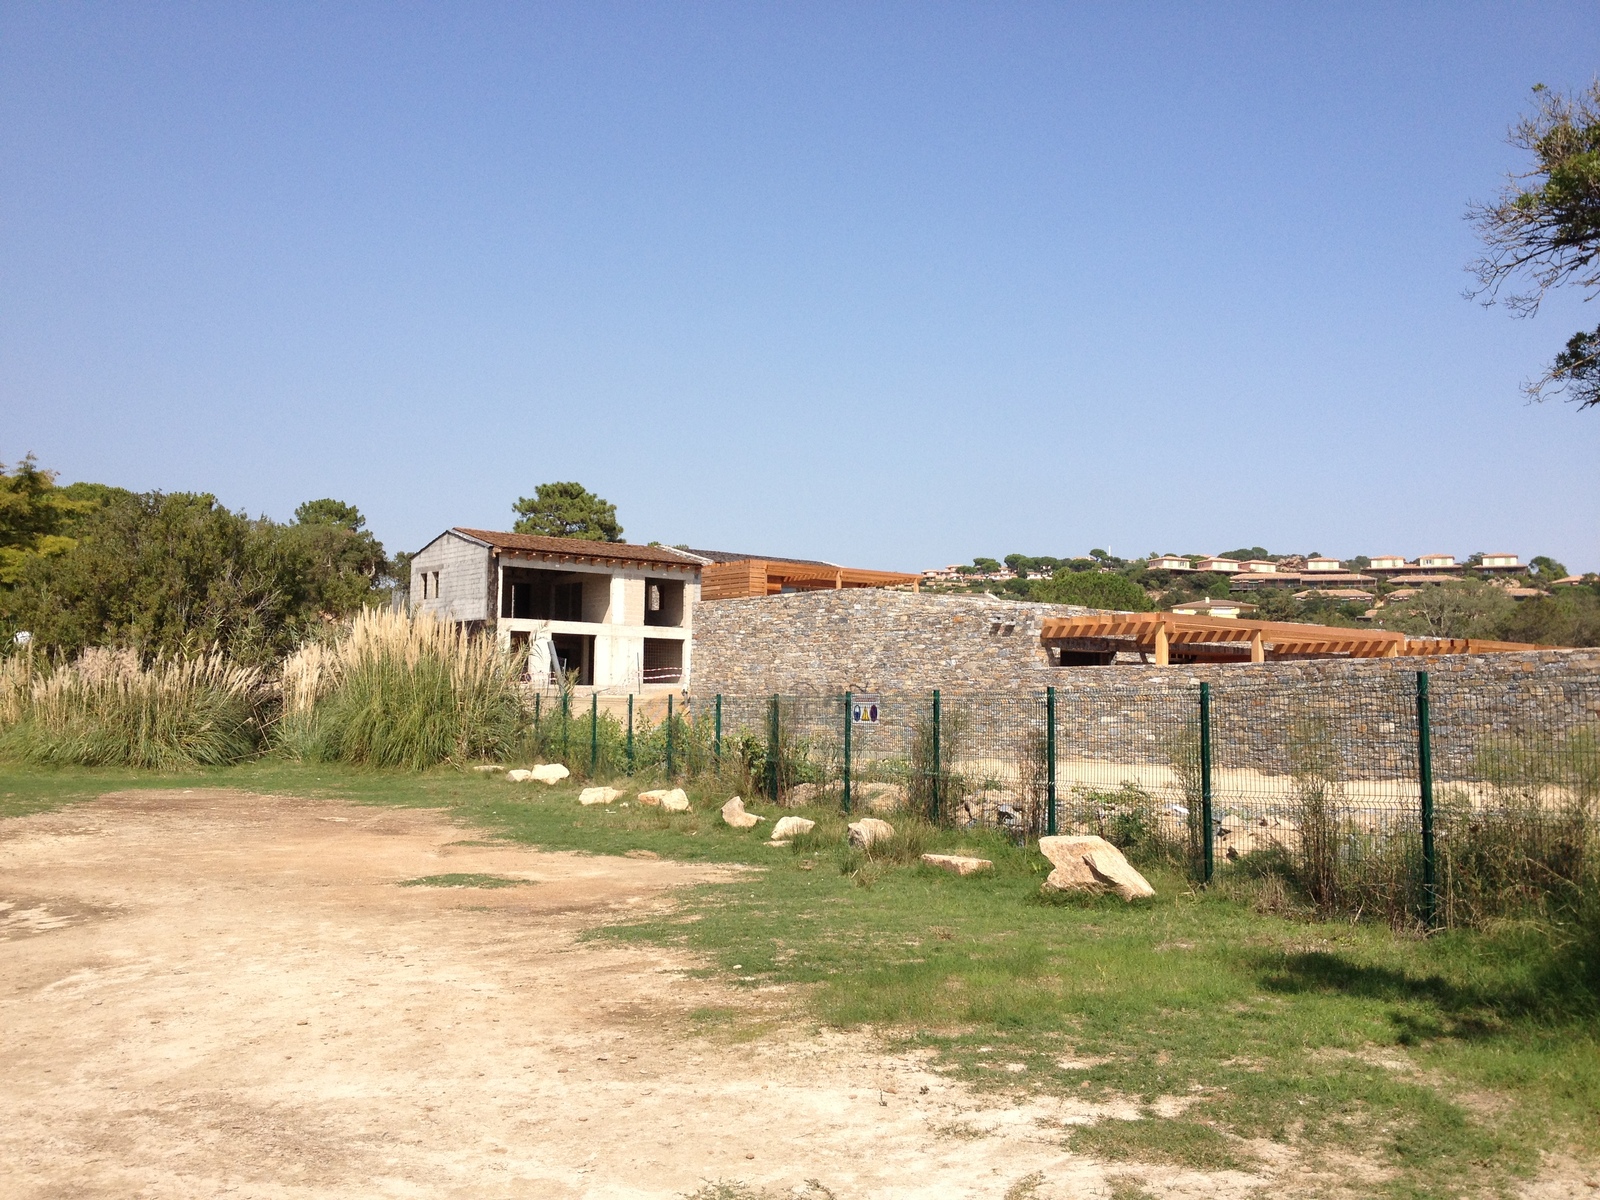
(396, 691)
(109, 709)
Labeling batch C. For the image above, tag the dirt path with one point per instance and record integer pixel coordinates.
(214, 993)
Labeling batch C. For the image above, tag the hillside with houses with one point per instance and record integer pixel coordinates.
(1485, 594)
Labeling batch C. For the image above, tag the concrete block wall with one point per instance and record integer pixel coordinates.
(465, 573)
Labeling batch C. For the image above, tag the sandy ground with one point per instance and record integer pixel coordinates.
(213, 993)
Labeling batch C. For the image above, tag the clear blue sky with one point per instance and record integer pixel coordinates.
(892, 285)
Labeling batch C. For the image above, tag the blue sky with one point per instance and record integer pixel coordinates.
(891, 285)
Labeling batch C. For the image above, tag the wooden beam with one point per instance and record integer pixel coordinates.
(1161, 645)
(1258, 648)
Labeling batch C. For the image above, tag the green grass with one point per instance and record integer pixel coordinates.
(463, 879)
(1448, 1064)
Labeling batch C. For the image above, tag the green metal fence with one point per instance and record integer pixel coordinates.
(1405, 798)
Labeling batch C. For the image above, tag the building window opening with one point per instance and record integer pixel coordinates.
(572, 657)
(664, 602)
(663, 660)
(535, 595)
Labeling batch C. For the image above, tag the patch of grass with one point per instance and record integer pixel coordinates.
(1026, 1188)
(724, 1189)
(464, 879)
(1153, 1139)
(26, 790)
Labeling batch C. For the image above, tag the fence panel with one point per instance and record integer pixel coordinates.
(1517, 808)
(1312, 787)
(1128, 769)
(1315, 785)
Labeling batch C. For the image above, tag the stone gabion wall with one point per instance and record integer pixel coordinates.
(985, 656)
(869, 640)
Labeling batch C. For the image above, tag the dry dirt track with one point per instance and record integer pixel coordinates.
(213, 993)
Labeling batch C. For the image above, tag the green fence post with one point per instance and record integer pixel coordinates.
(937, 766)
(538, 737)
(1425, 780)
(566, 721)
(594, 733)
(1207, 836)
(669, 736)
(630, 733)
(716, 738)
(772, 752)
(849, 719)
(1050, 761)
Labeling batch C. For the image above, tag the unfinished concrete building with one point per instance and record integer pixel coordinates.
(612, 614)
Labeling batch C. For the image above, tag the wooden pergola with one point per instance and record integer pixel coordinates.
(1169, 636)
(768, 577)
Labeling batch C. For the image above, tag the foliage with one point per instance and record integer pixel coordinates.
(330, 512)
(567, 510)
(1092, 590)
(105, 709)
(1570, 617)
(1545, 226)
(1318, 608)
(396, 691)
(1546, 569)
(1024, 566)
(934, 788)
(1460, 609)
(34, 517)
(179, 573)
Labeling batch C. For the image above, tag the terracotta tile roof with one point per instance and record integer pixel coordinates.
(619, 552)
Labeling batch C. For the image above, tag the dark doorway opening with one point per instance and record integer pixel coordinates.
(571, 652)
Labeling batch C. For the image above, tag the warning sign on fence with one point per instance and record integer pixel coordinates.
(864, 708)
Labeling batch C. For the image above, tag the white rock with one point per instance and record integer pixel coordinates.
(868, 830)
(489, 767)
(671, 799)
(787, 827)
(519, 775)
(802, 793)
(1087, 863)
(734, 814)
(549, 773)
(959, 863)
(598, 795)
(879, 797)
